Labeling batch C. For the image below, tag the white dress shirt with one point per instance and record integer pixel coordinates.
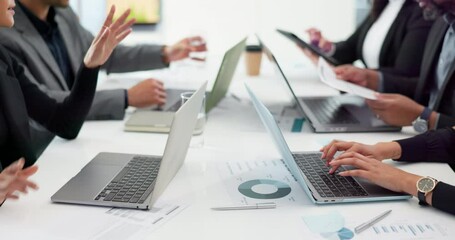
(376, 35)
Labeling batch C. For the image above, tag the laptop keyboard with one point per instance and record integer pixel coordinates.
(134, 183)
(329, 111)
(327, 185)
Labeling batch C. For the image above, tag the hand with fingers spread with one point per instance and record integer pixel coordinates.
(360, 76)
(379, 151)
(377, 172)
(183, 48)
(108, 38)
(395, 109)
(147, 93)
(15, 178)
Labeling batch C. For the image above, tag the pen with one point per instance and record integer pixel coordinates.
(371, 222)
(267, 205)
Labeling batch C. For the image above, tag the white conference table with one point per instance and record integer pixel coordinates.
(233, 133)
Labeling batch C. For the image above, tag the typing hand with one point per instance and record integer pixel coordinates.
(147, 93)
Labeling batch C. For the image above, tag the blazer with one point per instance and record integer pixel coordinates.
(25, 43)
(433, 146)
(402, 50)
(445, 101)
(21, 99)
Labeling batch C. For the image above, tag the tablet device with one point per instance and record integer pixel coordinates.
(313, 49)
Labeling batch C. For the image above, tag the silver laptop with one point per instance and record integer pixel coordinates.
(343, 113)
(130, 180)
(311, 172)
(145, 120)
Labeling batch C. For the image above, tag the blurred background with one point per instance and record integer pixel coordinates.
(224, 22)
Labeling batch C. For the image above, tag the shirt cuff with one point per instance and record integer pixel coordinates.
(126, 99)
(380, 82)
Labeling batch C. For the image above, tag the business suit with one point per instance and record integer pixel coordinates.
(445, 101)
(21, 99)
(402, 50)
(25, 43)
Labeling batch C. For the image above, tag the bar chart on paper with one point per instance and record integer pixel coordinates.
(407, 230)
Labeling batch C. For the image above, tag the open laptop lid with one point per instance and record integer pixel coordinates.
(286, 85)
(178, 142)
(225, 75)
(278, 138)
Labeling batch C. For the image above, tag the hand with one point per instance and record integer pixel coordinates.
(183, 48)
(318, 40)
(378, 151)
(363, 77)
(147, 93)
(378, 173)
(395, 109)
(107, 39)
(14, 178)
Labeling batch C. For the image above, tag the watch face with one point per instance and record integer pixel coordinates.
(425, 185)
(420, 125)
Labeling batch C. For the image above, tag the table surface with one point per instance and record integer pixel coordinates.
(233, 133)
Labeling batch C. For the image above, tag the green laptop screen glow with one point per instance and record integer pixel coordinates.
(144, 11)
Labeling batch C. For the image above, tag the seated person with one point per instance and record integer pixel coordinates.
(21, 99)
(433, 146)
(49, 43)
(15, 178)
(389, 42)
(433, 105)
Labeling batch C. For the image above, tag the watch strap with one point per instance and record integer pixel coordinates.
(422, 199)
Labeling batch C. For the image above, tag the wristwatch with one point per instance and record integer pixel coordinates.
(425, 185)
(421, 123)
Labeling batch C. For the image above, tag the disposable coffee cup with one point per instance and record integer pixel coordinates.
(253, 57)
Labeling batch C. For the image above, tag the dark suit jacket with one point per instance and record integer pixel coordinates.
(20, 98)
(402, 51)
(445, 103)
(25, 43)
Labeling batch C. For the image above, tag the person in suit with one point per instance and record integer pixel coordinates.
(389, 42)
(433, 104)
(432, 146)
(49, 42)
(21, 99)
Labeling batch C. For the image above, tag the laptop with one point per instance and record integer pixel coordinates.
(342, 113)
(131, 180)
(144, 120)
(311, 172)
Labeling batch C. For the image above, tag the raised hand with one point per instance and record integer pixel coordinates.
(14, 178)
(108, 38)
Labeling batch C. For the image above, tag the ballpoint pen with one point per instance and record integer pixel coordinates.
(267, 205)
(371, 222)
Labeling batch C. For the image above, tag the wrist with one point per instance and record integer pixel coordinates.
(388, 150)
(165, 55)
(432, 120)
(372, 79)
(409, 183)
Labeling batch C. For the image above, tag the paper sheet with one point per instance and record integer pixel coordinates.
(328, 77)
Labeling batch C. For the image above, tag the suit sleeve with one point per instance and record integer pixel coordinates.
(432, 146)
(64, 118)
